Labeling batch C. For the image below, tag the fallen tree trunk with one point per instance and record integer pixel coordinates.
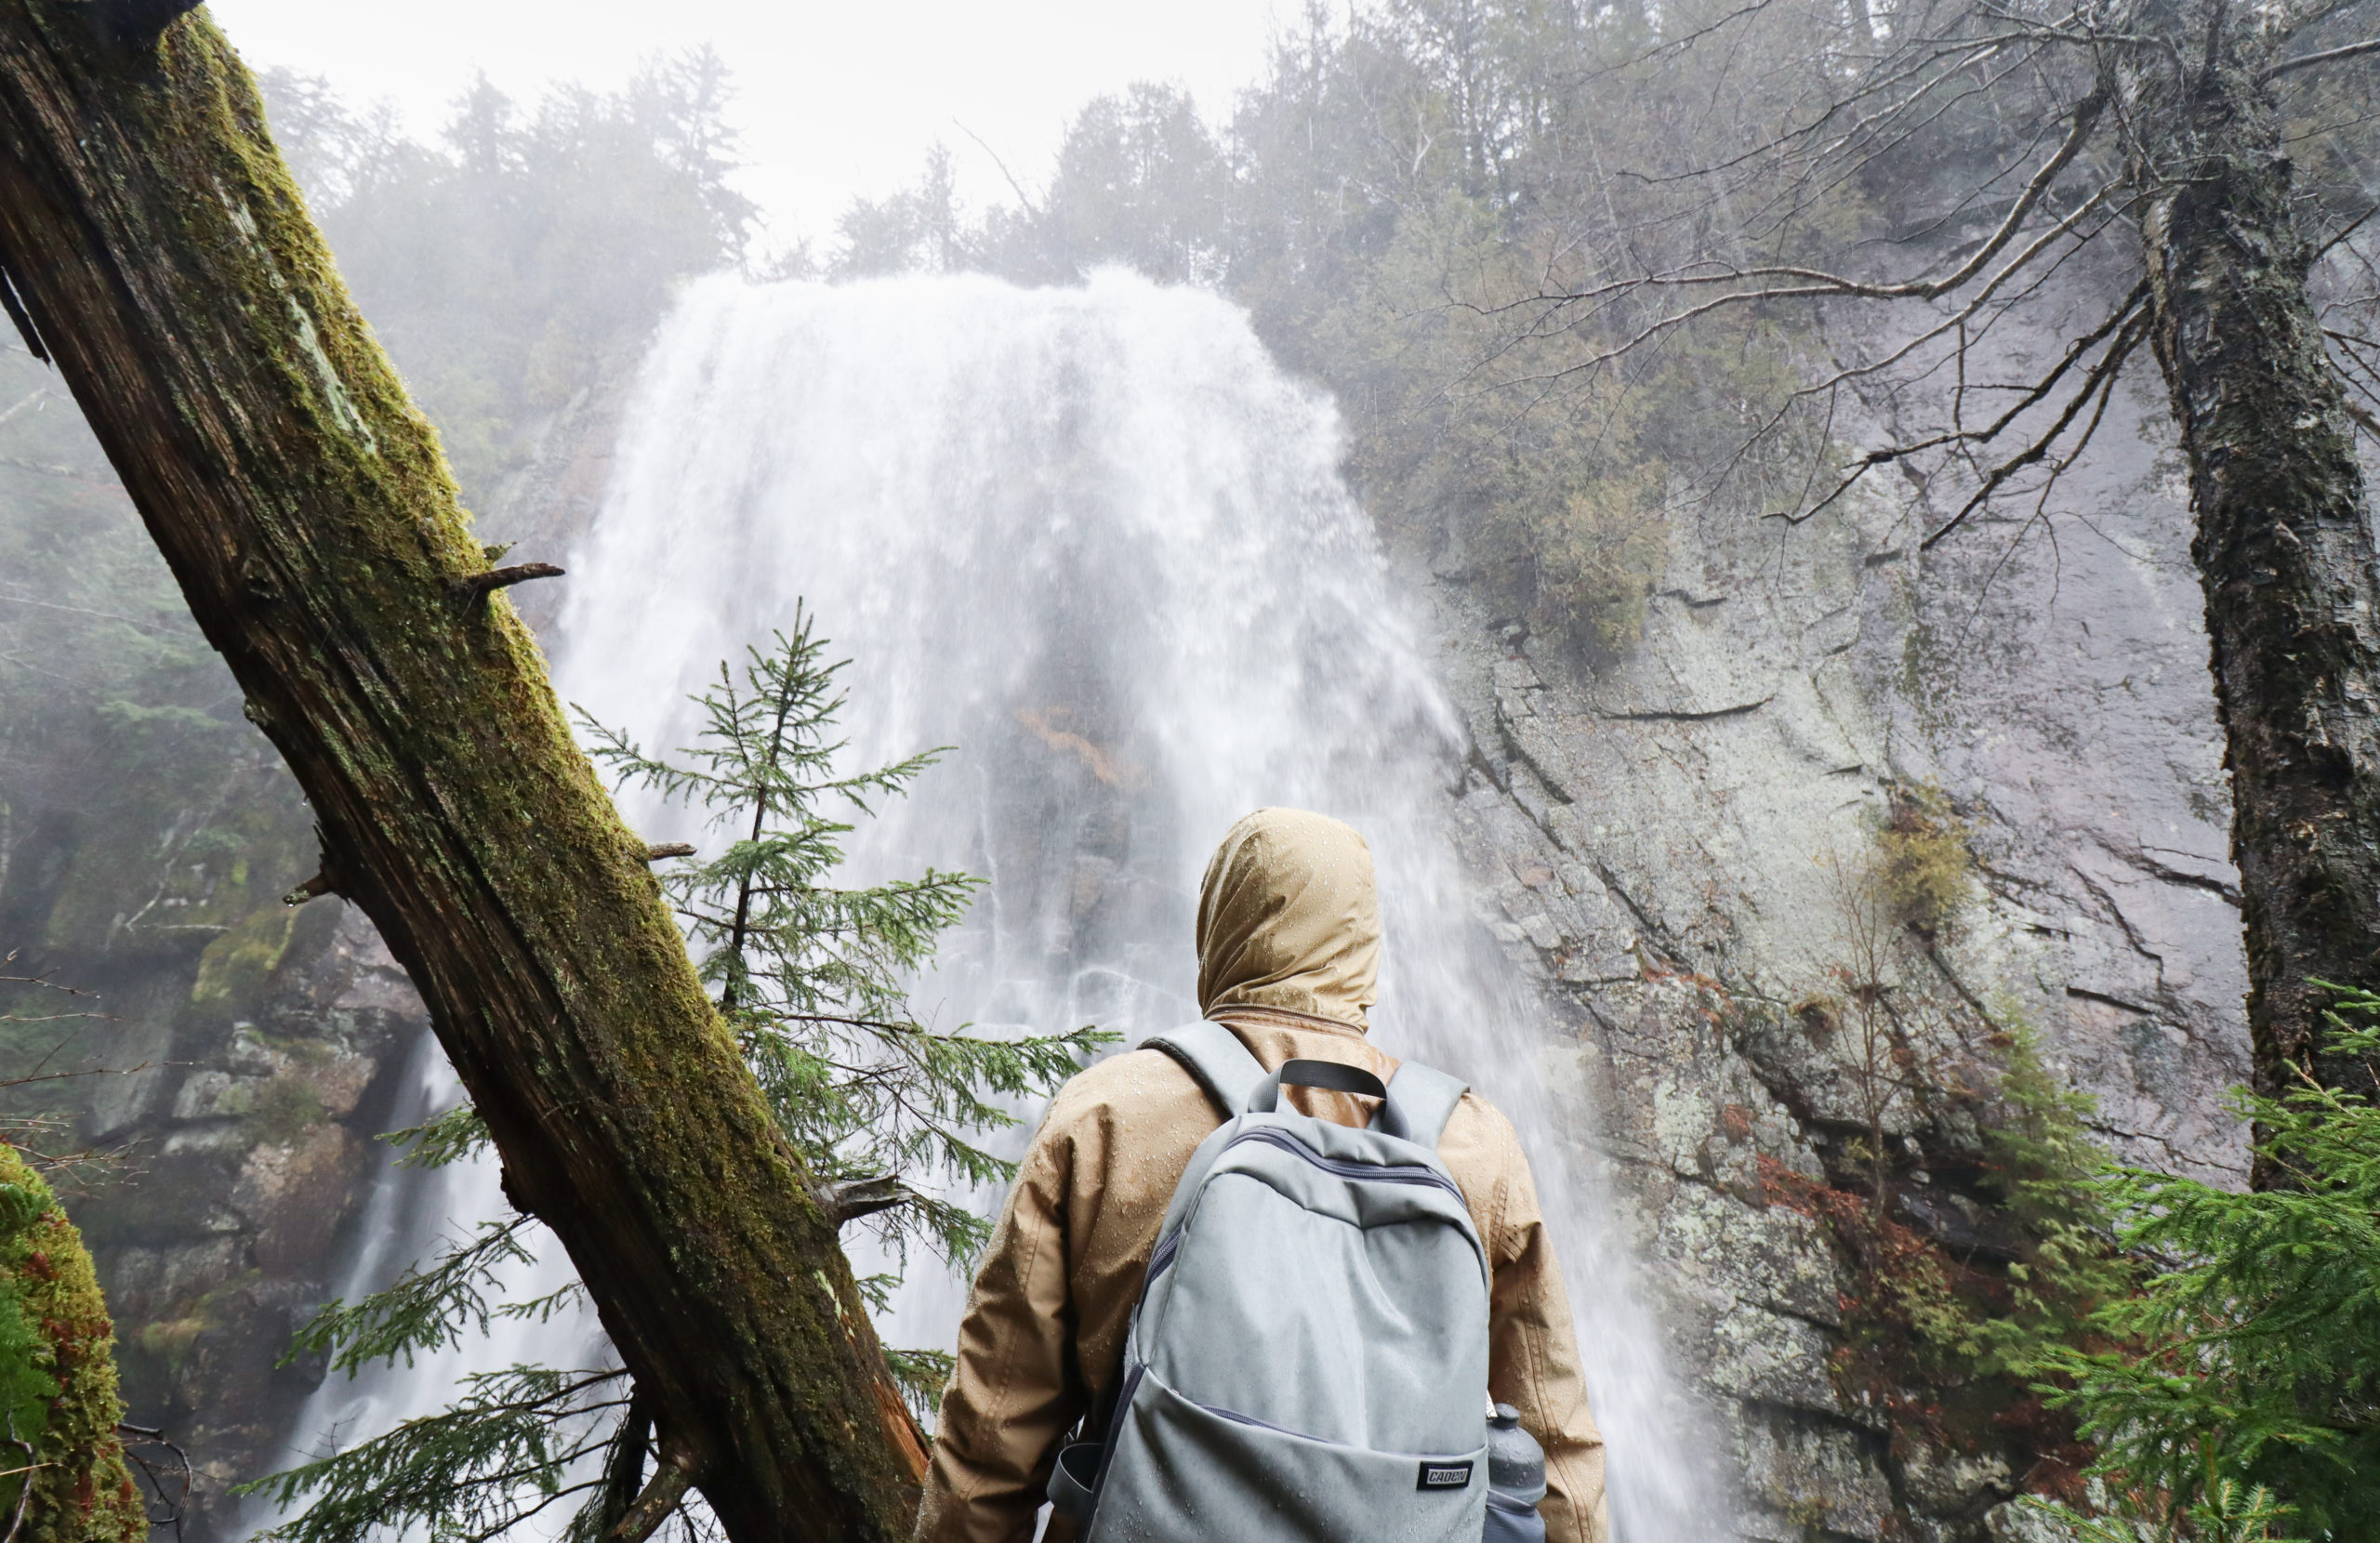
(155, 248)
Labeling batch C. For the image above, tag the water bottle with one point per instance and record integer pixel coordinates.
(1516, 1479)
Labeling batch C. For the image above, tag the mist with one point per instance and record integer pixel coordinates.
(1826, 553)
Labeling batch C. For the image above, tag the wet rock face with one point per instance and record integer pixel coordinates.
(1655, 842)
(253, 1137)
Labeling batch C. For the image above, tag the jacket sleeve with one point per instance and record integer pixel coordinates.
(1012, 1393)
(1533, 1363)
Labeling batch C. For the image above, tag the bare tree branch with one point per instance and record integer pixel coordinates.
(2328, 56)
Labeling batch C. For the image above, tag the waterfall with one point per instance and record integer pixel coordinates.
(1098, 541)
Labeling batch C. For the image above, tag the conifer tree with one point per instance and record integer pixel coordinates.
(2241, 1398)
(811, 978)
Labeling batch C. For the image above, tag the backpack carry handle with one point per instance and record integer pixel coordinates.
(1414, 1108)
(1334, 1075)
(1391, 1118)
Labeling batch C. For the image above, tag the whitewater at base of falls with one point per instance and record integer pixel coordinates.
(1099, 543)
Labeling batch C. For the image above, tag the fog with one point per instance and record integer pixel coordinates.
(836, 100)
(1721, 495)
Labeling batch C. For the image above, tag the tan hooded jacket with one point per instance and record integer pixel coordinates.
(1288, 949)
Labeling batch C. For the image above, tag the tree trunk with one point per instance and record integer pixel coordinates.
(2284, 552)
(165, 260)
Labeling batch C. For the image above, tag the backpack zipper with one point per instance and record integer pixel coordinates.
(1158, 1260)
(1133, 1385)
(1237, 1419)
(1385, 1173)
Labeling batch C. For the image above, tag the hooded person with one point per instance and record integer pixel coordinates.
(1289, 953)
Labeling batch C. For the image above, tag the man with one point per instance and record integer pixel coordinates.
(1289, 950)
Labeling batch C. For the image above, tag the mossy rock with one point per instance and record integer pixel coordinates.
(236, 968)
(58, 1367)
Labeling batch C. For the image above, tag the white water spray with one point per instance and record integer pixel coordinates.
(1094, 539)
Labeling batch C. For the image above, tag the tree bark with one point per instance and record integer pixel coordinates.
(166, 261)
(2285, 556)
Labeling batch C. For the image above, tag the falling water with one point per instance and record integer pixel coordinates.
(1096, 540)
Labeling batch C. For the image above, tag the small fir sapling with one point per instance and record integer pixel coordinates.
(811, 980)
(811, 977)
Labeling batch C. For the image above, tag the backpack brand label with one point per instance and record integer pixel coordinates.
(1444, 1476)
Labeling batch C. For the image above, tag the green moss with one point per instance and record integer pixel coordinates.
(235, 968)
(170, 1339)
(284, 1108)
(83, 1492)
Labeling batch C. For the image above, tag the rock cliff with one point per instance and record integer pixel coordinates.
(1661, 843)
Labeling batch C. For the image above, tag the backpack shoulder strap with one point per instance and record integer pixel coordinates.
(1214, 1055)
(1421, 1100)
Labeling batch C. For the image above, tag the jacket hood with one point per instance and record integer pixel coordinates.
(1288, 917)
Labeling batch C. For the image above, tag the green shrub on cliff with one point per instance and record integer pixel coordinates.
(1926, 871)
(56, 1377)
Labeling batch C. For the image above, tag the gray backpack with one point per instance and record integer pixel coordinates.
(1308, 1359)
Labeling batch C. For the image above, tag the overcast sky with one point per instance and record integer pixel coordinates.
(833, 99)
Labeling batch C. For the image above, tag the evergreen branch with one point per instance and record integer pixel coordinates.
(424, 1310)
(443, 1138)
(491, 1459)
(920, 1373)
(2251, 1361)
(543, 1308)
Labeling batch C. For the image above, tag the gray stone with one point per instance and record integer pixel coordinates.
(211, 1095)
(191, 1270)
(1943, 1482)
(1766, 1358)
(204, 1141)
(250, 1169)
(2016, 1521)
(1801, 1477)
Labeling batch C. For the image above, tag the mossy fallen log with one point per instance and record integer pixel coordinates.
(157, 249)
